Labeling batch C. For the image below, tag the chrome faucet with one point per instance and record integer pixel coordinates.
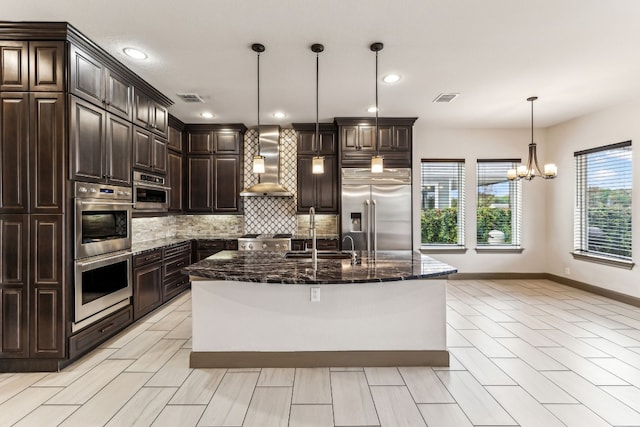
(354, 257)
(312, 232)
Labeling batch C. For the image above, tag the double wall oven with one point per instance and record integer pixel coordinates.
(102, 251)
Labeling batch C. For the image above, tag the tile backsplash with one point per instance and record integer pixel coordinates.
(261, 214)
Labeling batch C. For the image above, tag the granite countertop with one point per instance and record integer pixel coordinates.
(273, 267)
(150, 245)
(319, 236)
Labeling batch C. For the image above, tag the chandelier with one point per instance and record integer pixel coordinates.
(532, 168)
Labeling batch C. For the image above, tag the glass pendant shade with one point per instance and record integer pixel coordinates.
(258, 164)
(377, 165)
(317, 165)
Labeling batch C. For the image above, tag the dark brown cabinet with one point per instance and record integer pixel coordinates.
(206, 248)
(13, 286)
(174, 141)
(100, 145)
(214, 168)
(358, 141)
(318, 190)
(175, 259)
(147, 282)
(14, 140)
(174, 178)
(149, 114)
(91, 80)
(31, 66)
(149, 151)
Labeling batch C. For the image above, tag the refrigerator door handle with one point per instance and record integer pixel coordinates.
(374, 225)
(367, 213)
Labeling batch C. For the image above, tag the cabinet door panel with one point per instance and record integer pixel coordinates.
(86, 141)
(226, 191)
(118, 149)
(147, 289)
(13, 323)
(306, 183)
(402, 137)
(86, 76)
(199, 183)
(14, 69)
(174, 175)
(46, 318)
(118, 95)
(160, 119)
(327, 186)
(159, 162)
(14, 139)
(349, 137)
(385, 138)
(47, 152)
(142, 148)
(200, 142)
(46, 61)
(13, 249)
(175, 139)
(226, 142)
(141, 109)
(367, 138)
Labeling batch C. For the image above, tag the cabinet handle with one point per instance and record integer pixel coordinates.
(180, 264)
(106, 328)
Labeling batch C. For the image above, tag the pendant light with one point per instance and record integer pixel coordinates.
(532, 168)
(377, 165)
(317, 163)
(258, 160)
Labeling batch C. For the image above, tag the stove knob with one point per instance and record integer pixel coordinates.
(250, 245)
(277, 245)
(242, 246)
(264, 246)
(82, 189)
(93, 190)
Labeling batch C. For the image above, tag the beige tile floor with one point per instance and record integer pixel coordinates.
(523, 352)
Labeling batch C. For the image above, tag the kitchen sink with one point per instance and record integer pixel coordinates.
(321, 255)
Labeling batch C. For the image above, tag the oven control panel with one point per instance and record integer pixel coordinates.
(102, 191)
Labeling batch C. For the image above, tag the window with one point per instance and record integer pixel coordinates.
(603, 201)
(442, 202)
(499, 204)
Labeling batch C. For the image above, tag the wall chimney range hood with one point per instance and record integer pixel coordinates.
(269, 184)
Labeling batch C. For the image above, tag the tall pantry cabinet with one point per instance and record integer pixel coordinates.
(37, 92)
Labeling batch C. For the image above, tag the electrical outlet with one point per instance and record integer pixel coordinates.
(315, 294)
(567, 271)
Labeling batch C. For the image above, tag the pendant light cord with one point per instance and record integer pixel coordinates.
(532, 120)
(258, 102)
(317, 103)
(377, 132)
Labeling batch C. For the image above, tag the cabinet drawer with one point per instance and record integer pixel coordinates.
(147, 257)
(327, 244)
(231, 245)
(176, 264)
(211, 244)
(177, 250)
(177, 283)
(99, 332)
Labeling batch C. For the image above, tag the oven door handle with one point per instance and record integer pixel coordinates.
(109, 258)
(104, 202)
(149, 185)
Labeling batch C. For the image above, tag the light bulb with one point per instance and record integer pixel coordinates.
(258, 164)
(317, 165)
(377, 164)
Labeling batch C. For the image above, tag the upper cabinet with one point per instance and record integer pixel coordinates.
(34, 66)
(149, 151)
(93, 81)
(149, 114)
(358, 141)
(213, 173)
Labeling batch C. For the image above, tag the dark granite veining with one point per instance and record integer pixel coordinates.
(150, 245)
(273, 267)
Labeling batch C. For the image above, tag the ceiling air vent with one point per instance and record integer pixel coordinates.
(446, 97)
(190, 97)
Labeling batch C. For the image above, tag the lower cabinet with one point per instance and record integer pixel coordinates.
(175, 259)
(100, 331)
(147, 282)
(321, 244)
(206, 248)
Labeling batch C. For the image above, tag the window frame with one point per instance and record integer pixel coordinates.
(515, 192)
(581, 210)
(460, 176)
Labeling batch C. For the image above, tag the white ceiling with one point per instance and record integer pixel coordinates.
(577, 56)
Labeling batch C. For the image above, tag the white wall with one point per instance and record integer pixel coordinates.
(616, 124)
(473, 144)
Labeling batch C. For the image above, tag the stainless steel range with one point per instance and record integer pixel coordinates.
(265, 242)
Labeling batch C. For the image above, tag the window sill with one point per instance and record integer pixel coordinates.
(599, 259)
(500, 249)
(442, 249)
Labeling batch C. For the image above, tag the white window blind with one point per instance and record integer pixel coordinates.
(442, 202)
(602, 223)
(499, 203)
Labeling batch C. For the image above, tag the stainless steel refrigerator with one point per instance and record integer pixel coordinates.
(376, 209)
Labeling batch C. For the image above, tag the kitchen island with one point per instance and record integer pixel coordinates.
(264, 309)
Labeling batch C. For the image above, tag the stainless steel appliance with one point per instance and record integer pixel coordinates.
(376, 208)
(265, 242)
(102, 285)
(150, 192)
(102, 278)
(103, 219)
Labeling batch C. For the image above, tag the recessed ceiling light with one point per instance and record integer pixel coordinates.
(134, 53)
(279, 115)
(372, 109)
(391, 78)
(207, 115)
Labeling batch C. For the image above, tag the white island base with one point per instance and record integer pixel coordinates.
(247, 324)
